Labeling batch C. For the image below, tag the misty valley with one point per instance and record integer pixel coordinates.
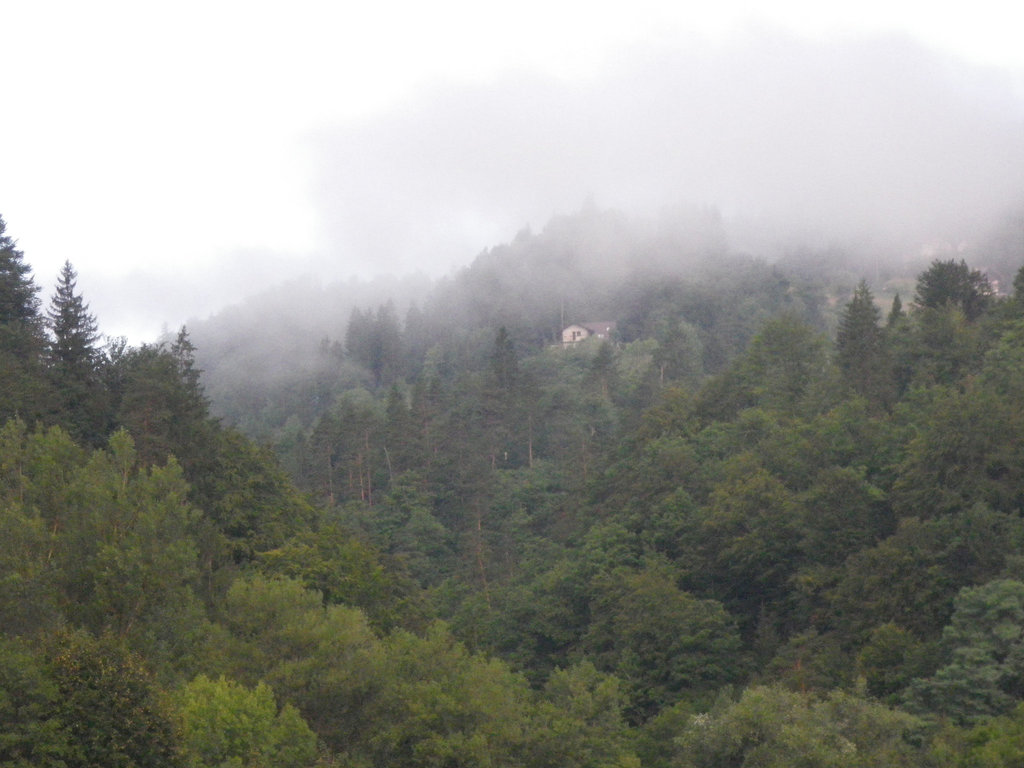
(617, 494)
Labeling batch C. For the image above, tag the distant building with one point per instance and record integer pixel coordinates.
(573, 334)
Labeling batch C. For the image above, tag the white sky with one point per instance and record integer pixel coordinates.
(167, 150)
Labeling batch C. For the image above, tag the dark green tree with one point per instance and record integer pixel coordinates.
(504, 361)
(679, 355)
(19, 302)
(950, 282)
(31, 733)
(896, 312)
(602, 370)
(74, 331)
(861, 349)
(75, 360)
(23, 388)
(662, 642)
(109, 704)
(984, 675)
(375, 341)
(159, 399)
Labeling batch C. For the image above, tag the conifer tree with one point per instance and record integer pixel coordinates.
(896, 312)
(23, 389)
(74, 332)
(504, 361)
(861, 348)
(18, 300)
(75, 360)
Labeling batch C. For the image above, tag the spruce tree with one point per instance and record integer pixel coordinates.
(74, 332)
(18, 300)
(861, 348)
(23, 389)
(75, 360)
(896, 312)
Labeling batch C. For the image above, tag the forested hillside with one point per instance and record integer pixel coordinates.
(773, 521)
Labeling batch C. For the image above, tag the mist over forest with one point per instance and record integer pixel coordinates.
(875, 144)
(860, 157)
(868, 145)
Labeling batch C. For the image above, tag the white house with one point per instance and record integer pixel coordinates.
(573, 334)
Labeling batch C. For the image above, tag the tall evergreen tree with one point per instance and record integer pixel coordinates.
(18, 300)
(504, 361)
(861, 347)
(75, 360)
(375, 341)
(896, 312)
(23, 389)
(74, 331)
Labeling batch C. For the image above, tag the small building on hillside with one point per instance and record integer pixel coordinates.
(577, 332)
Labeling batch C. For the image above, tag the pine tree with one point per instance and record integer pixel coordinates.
(504, 362)
(375, 341)
(861, 348)
(23, 388)
(18, 300)
(73, 329)
(896, 312)
(75, 361)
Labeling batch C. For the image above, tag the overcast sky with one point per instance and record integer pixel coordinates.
(182, 155)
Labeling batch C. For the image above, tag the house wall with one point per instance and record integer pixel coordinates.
(574, 333)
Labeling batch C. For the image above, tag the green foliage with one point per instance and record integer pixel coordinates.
(32, 735)
(109, 705)
(749, 543)
(860, 347)
(323, 660)
(438, 705)
(890, 659)
(18, 300)
(947, 283)
(226, 725)
(344, 570)
(784, 369)
(160, 402)
(579, 721)
(912, 577)
(984, 675)
(785, 360)
(374, 340)
(842, 514)
(24, 390)
(74, 361)
(249, 502)
(663, 643)
(680, 353)
(74, 330)
(622, 536)
(967, 450)
(771, 727)
(995, 743)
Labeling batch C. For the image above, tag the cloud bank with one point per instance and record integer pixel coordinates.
(870, 141)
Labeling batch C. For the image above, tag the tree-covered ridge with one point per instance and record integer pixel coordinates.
(496, 551)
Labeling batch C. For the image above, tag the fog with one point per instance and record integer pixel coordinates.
(868, 143)
(874, 146)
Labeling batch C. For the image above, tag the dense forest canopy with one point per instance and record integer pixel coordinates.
(774, 520)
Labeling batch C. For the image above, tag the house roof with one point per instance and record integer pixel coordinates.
(600, 326)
